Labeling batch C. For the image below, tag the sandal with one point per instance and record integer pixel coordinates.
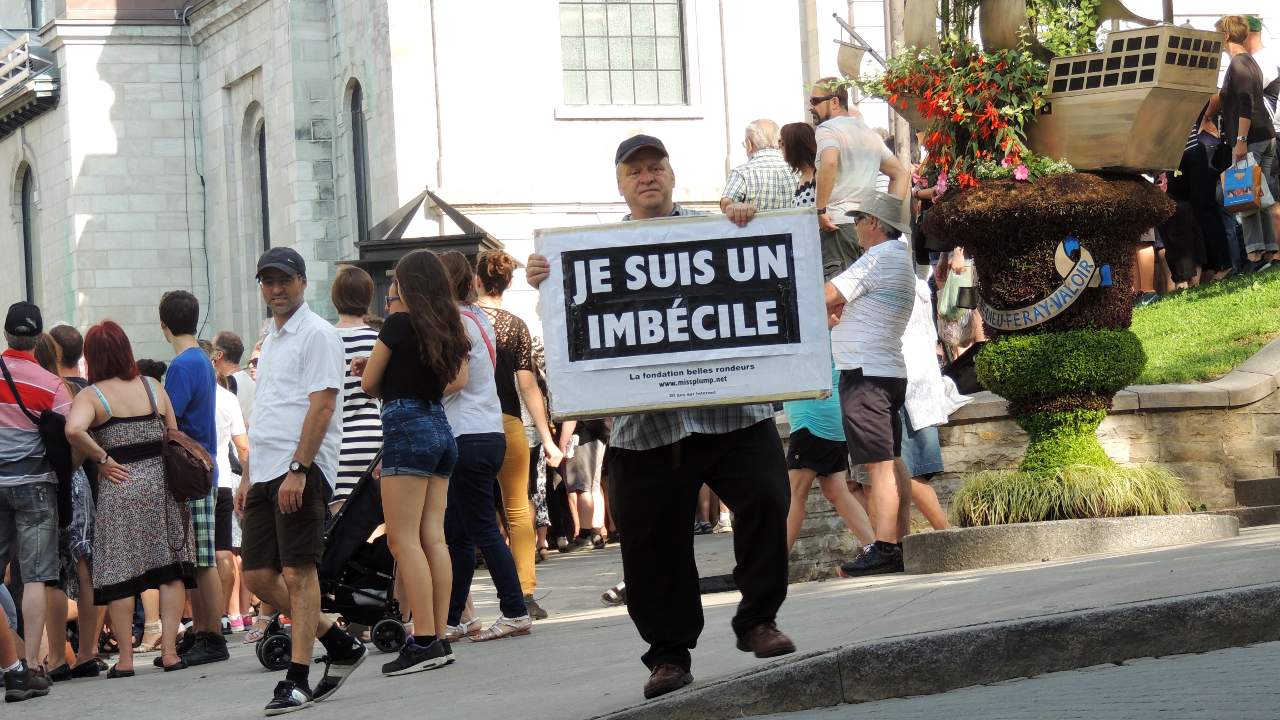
(258, 630)
(180, 665)
(505, 627)
(465, 628)
(153, 631)
(542, 555)
(116, 672)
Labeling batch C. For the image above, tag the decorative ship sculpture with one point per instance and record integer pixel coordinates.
(1130, 106)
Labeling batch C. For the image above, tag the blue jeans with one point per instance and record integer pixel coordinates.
(1259, 232)
(470, 522)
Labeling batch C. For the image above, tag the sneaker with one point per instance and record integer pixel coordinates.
(722, 528)
(336, 672)
(448, 652)
(505, 627)
(226, 625)
(702, 527)
(416, 658)
(876, 559)
(237, 624)
(534, 609)
(208, 648)
(289, 697)
(25, 684)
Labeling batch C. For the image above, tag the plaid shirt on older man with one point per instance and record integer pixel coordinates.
(766, 181)
(646, 431)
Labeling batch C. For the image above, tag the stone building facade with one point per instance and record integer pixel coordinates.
(184, 136)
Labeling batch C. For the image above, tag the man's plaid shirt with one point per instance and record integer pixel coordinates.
(646, 431)
(766, 181)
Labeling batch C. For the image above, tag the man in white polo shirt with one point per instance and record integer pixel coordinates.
(294, 436)
(874, 299)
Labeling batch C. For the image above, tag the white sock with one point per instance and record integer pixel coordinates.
(724, 518)
(14, 667)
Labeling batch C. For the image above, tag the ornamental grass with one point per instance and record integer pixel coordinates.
(1002, 497)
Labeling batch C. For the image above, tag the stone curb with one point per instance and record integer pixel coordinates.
(931, 663)
(988, 546)
(1253, 380)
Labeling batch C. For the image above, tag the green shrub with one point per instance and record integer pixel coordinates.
(1062, 439)
(1031, 367)
(1072, 492)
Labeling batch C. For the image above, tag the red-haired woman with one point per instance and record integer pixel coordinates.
(138, 525)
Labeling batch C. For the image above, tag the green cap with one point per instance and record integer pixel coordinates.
(1255, 24)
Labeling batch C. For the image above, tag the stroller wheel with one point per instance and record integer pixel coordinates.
(273, 651)
(388, 635)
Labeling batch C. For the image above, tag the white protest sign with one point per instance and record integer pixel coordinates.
(683, 312)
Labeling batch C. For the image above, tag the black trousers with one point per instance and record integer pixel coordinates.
(654, 495)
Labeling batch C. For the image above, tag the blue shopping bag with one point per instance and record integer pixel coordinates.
(1242, 190)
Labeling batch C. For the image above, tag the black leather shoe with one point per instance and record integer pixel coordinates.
(876, 559)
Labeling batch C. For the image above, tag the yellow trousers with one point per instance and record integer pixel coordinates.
(514, 481)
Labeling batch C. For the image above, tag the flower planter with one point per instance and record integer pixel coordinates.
(1001, 21)
(920, 24)
(1054, 261)
(906, 108)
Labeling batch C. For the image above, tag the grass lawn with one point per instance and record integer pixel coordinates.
(1203, 333)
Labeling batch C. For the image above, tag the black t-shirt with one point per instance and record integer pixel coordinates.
(406, 376)
(1242, 97)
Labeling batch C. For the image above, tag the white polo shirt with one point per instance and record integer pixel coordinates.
(303, 357)
(879, 292)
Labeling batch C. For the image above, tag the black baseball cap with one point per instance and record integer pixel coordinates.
(23, 320)
(282, 258)
(629, 146)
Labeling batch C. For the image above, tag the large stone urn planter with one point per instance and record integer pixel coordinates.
(1054, 261)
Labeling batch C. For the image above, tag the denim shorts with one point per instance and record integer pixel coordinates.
(920, 450)
(417, 439)
(32, 511)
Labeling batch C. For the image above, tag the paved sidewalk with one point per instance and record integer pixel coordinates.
(1239, 683)
(584, 661)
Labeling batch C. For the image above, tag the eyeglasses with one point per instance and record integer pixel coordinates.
(819, 99)
(392, 299)
(858, 217)
(253, 363)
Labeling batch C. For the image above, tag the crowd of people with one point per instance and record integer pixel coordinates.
(1203, 242)
(444, 404)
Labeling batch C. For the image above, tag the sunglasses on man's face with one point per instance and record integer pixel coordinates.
(819, 99)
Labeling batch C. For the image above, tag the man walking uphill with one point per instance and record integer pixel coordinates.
(284, 493)
(191, 384)
(659, 460)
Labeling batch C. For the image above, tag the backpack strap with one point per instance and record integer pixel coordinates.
(17, 397)
(493, 356)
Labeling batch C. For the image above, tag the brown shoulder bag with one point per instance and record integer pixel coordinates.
(188, 469)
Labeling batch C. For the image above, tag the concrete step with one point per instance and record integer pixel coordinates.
(1253, 516)
(1257, 493)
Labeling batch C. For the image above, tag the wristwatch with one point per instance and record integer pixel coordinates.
(822, 211)
(1242, 139)
(106, 457)
(297, 467)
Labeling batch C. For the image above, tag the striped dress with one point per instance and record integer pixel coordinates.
(361, 414)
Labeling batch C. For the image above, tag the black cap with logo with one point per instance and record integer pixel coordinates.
(285, 259)
(23, 320)
(629, 146)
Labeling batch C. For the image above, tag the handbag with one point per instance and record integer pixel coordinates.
(188, 469)
(52, 427)
(1242, 187)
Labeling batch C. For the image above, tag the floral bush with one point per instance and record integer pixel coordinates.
(976, 104)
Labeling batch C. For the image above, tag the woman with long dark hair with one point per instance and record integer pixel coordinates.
(420, 356)
(139, 539)
(470, 523)
(514, 373)
(800, 149)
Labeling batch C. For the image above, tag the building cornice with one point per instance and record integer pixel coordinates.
(209, 17)
(62, 32)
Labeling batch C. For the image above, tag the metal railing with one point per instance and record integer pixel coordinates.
(18, 65)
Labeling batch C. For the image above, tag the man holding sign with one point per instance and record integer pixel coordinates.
(659, 460)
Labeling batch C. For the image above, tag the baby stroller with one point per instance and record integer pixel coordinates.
(357, 576)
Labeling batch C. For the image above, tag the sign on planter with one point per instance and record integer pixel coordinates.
(683, 312)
